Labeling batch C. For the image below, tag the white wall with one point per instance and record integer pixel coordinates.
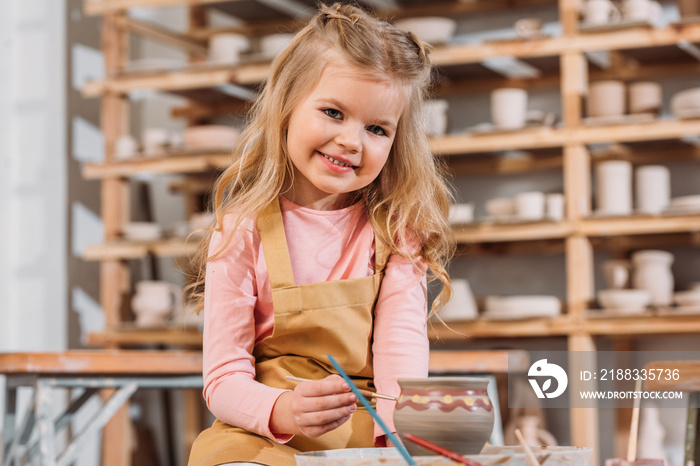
(32, 176)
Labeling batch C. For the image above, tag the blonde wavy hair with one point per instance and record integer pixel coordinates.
(410, 195)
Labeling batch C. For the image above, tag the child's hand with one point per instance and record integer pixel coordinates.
(316, 407)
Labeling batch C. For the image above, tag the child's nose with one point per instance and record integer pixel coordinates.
(350, 139)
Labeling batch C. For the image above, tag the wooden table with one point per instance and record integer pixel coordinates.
(123, 372)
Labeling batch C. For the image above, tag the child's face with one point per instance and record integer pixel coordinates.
(350, 118)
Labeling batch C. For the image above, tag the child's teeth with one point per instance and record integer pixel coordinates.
(335, 161)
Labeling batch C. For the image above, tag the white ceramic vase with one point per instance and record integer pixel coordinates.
(614, 187)
(652, 188)
(652, 272)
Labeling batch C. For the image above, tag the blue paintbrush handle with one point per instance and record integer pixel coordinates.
(406, 455)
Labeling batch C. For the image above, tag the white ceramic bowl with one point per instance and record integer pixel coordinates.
(521, 307)
(687, 298)
(461, 213)
(684, 100)
(142, 231)
(500, 207)
(624, 300)
(207, 137)
(431, 29)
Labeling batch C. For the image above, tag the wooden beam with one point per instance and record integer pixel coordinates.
(163, 35)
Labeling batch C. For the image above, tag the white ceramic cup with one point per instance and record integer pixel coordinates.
(530, 205)
(645, 97)
(616, 273)
(126, 147)
(461, 213)
(596, 12)
(606, 98)
(509, 107)
(154, 301)
(462, 305)
(555, 206)
(528, 27)
(652, 188)
(641, 10)
(614, 187)
(435, 112)
(155, 140)
(226, 48)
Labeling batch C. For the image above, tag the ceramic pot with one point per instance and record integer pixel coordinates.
(452, 412)
(509, 107)
(154, 302)
(652, 272)
(597, 12)
(652, 188)
(555, 206)
(530, 205)
(645, 97)
(606, 98)
(528, 27)
(226, 48)
(616, 273)
(462, 305)
(641, 10)
(614, 187)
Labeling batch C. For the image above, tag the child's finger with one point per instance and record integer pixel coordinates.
(324, 403)
(329, 386)
(322, 418)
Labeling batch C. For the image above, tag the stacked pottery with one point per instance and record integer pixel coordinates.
(452, 412)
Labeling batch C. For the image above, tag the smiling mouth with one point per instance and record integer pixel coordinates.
(337, 162)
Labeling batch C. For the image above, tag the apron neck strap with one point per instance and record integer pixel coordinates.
(274, 243)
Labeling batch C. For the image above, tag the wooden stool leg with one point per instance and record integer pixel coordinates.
(9, 416)
(194, 415)
(116, 444)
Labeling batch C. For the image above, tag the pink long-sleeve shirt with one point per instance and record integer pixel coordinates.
(323, 246)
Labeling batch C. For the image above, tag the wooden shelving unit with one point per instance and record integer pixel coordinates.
(212, 91)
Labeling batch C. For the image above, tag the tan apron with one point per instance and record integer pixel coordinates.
(311, 321)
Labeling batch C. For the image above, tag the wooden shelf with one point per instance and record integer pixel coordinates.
(487, 233)
(196, 77)
(124, 250)
(201, 76)
(643, 325)
(128, 336)
(563, 326)
(177, 163)
(639, 225)
(540, 327)
(464, 234)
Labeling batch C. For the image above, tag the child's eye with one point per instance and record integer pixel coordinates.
(333, 113)
(376, 130)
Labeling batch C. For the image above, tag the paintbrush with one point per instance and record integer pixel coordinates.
(364, 392)
(390, 435)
